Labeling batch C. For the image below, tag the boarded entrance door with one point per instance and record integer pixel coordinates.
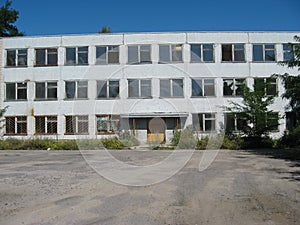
(156, 130)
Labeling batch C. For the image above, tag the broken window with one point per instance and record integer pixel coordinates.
(233, 53)
(107, 123)
(233, 87)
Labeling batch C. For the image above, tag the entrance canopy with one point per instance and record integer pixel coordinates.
(154, 114)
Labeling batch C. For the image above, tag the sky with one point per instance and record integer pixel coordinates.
(54, 17)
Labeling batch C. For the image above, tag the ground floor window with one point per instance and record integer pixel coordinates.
(107, 123)
(46, 124)
(234, 122)
(204, 122)
(16, 125)
(77, 124)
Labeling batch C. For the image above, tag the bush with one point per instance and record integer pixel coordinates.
(112, 143)
(233, 143)
(291, 139)
(184, 139)
(90, 144)
(128, 140)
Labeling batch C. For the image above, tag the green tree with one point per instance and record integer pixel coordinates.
(8, 17)
(292, 82)
(258, 120)
(105, 29)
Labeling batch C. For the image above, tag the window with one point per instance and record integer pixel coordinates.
(204, 121)
(77, 56)
(107, 123)
(170, 53)
(76, 89)
(288, 52)
(234, 122)
(77, 125)
(267, 85)
(138, 54)
(16, 57)
(203, 87)
(202, 53)
(108, 89)
(107, 55)
(233, 87)
(139, 88)
(46, 57)
(16, 125)
(16, 91)
(264, 53)
(233, 53)
(46, 124)
(46, 90)
(171, 88)
(272, 121)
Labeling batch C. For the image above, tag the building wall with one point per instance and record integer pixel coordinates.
(124, 71)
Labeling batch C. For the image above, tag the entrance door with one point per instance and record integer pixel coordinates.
(156, 130)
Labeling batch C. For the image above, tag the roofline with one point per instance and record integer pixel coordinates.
(167, 32)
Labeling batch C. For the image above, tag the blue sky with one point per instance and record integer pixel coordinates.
(51, 17)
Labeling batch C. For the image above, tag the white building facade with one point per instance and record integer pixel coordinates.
(94, 86)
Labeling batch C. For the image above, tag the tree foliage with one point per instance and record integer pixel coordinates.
(292, 82)
(8, 17)
(105, 29)
(258, 119)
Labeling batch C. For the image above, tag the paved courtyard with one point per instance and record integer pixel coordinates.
(242, 188)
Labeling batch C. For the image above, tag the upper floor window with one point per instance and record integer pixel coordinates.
(203, 87)
(204, 121)
(202, 53)
(233, 87)
(170, 53)
(107, 54)
(233, 52)
(46, 90)
(77, 124)
(288, 52)
(46, 124)
(76, 89)
(139, 54)
(264, 53)
(16, 57)
(16, 91)
(16, 125)
(267, 85)
(77, 55)
(171, 88)
(108, 89)
(107, 123)
(46, 57)
(139, 88)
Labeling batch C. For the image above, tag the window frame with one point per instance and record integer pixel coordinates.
(47, 120)
(202, 51)
(235, 86)
(171, 52)
(108, 49)
(108, 86)
(265, 86)
(46, 55)
(201, 119)
(77, 52)
(17, 89)
(111, 118)
(203, 85)
(234, 50)
(77, 119)
(17, 57)
(264, 49)
(172, 85)
(77, 87)
(16, 120)
(139, 50)
(46, 90)
(140, 88)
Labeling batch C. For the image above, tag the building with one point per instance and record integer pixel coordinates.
(91, 86)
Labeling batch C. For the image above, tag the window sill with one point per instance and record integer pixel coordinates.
(15, 134)
(75, 99)
(233, 61)
(45, 65)
(117, 98)
(206, 96)
(18, 100)
(263, 62)
(202, 62)
(180, 97)
(44, 134)
(45, 99)
(181, 62)
(76, 134)
(9, 67)
(105, 133)
(76, 65)
(140, 97)
(139, 63)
